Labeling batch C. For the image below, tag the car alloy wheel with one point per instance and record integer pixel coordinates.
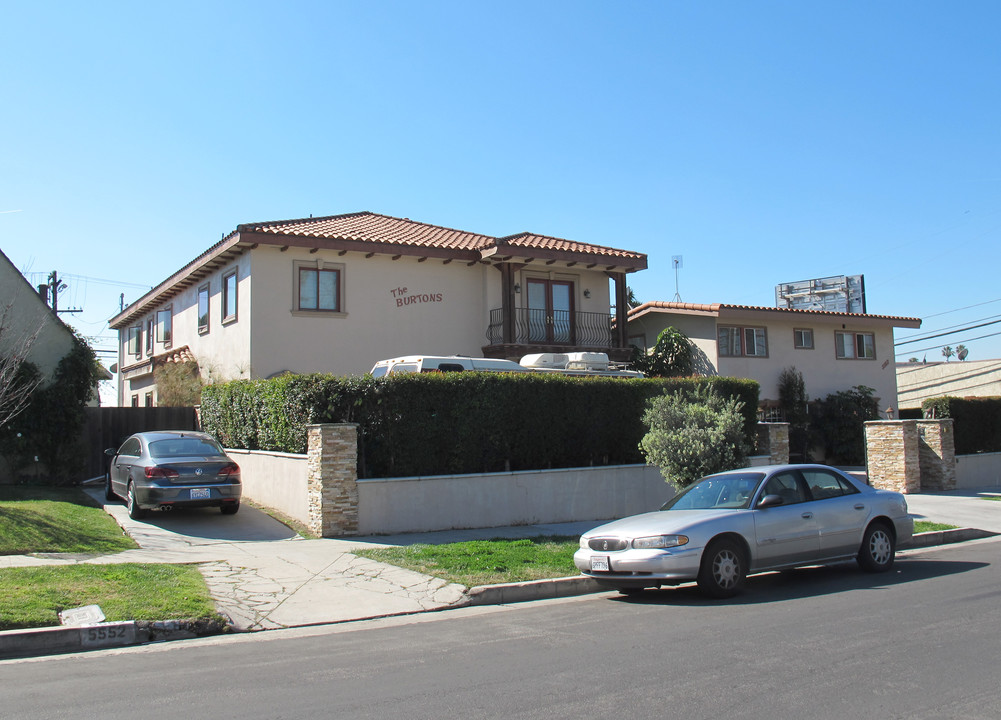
(135, 512)
(878, 547)
(722, 573)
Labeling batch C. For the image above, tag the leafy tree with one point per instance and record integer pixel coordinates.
(793, 401)
(178, 384)
(948, 352)
(694, 434)
(670, 357)
(838, 424)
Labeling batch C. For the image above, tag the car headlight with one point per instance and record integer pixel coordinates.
(659, 541)
(583, 543)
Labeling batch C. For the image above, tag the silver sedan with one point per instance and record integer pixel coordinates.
(725, 526)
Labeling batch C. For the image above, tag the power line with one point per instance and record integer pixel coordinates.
(951, 332)
(936, 347)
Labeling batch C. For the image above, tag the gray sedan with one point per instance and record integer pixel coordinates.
(169, 469)
(725, 526)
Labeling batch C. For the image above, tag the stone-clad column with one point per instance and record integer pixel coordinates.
(938, 454)
(332, 479)
(778, 443)
(893, 455)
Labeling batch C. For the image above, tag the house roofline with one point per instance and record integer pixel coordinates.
(721, 310)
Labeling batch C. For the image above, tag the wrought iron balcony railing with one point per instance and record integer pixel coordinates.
(560, 327)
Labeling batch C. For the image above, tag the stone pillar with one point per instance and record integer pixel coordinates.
(332, 479)
(893, 455)
(773, 439)
(937, 447)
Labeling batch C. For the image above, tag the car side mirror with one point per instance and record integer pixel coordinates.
(769, 501)
(111, 452)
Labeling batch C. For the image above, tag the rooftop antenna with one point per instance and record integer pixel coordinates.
(678, 263)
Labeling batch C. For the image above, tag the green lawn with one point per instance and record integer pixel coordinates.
(33, 596)
(66, 520)
(487, 562)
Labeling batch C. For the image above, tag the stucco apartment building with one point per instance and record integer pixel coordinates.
(335, 294)
(834, 351)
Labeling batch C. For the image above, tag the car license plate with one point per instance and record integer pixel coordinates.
(599, 563)
(200, 493)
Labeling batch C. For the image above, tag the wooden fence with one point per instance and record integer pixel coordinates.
(108, 427)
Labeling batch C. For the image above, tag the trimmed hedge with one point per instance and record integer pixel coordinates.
(976, 421)
(445, 423)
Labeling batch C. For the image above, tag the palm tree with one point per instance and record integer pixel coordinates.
(948, 352)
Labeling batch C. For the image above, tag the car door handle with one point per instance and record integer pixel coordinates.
(807, 515)
(859, 506)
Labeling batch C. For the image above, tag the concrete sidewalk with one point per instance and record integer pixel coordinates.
(263, 576)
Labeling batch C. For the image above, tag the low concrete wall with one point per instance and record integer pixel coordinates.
(982, 470)
(277, 480)
(424, 504)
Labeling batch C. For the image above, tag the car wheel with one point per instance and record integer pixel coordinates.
(723, 569)
(132, 503)
(109, 494)
(230, 509)
(878, 548)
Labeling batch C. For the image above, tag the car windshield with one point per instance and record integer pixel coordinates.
(732, 492)
(184, 447)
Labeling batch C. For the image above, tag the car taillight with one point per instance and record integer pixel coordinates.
(159, 472)
(231, 471)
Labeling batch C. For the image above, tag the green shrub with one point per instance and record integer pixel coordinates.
(976, 421)
(838, 424)
(441, 423)
(694, 433)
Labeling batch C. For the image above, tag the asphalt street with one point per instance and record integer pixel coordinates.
(920, 642)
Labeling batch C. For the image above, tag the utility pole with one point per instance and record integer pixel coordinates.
(55, 286)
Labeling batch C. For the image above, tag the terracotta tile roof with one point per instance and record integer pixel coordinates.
(533, 241)
(384, 229)
(718, 308)
(370, 227)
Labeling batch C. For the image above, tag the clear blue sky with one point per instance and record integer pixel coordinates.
(765, 142)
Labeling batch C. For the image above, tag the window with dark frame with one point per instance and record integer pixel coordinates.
(203, 309)
(164, 325)
(742, 342)
(319, 289)
(149, 336)
(229, 297)
(134, 346)
(802, 338)
(149, 399)
(855, 345)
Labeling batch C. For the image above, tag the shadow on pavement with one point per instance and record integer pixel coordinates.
(807, 582)
(249, 524)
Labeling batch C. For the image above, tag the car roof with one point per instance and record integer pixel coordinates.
(153, 435)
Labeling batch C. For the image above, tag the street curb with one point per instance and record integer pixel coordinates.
(945, 537)
(533, 590)
(59, 639)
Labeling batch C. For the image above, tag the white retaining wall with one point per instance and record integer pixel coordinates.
(424, 504)
(982, 470)
(277, 480)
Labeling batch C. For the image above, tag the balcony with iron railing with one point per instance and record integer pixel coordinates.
(537, 331)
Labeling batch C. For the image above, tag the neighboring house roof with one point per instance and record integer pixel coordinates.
(723, 309)
(382, 234)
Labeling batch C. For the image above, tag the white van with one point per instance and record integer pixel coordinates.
(579, 363)
(452, 363)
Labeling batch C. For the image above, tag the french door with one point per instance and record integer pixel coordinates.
(550, 311)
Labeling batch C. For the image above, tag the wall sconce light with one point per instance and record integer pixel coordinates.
(587, 293)
(517, 287)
